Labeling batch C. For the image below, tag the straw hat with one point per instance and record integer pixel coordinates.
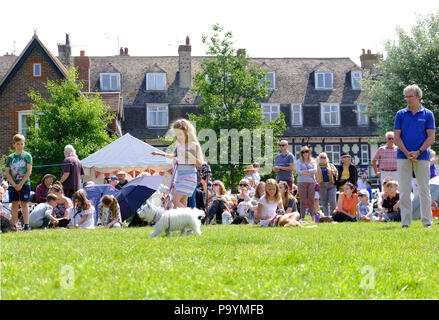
(344, 155)
(249, 168)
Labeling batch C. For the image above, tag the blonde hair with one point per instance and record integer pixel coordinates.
(223, 190)
(110, 201)
(277, 195)
(392, 183)
(190, 134)
(259, 188)
(18, 138)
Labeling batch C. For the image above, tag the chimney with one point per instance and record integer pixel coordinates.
(239, 52)
(369, 61)
(82, 65)
(126, 51)
(184, 64)
(121, 51)
(65, 53)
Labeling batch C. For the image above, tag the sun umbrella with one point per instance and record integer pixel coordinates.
(95, 192)
(135, 193)
(434, 191)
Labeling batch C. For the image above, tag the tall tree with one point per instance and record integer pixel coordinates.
(67, 117)
(231, 91)
(412, 59)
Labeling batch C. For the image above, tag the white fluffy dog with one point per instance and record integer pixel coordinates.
(170, 220)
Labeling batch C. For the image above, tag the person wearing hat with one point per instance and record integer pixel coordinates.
(347, 172)
(43, 188)
(252, 173)
(121, 176)
(113, 180)
(284, 165)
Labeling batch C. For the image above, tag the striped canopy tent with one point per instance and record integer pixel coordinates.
(128, 154)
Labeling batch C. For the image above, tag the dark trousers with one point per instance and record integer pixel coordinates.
(341, 217)
(216, 211)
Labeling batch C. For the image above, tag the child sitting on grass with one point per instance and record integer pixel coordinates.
(267, 206)
(42, 214)
(391, 202)
(83, 216)
(109, 212)
(365, 209)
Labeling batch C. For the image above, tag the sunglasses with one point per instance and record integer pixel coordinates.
(215, 184)
(282, 145)
(243, 185)
(389, 138)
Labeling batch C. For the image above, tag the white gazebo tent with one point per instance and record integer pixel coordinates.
(128, 154)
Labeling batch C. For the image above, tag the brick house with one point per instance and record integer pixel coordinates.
(320, 97)
(32, 69)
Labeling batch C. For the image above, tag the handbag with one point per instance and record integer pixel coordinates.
(317, 187)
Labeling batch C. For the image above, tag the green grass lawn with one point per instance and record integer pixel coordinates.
(332, 261)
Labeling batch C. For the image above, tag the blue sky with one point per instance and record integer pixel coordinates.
(274, 28)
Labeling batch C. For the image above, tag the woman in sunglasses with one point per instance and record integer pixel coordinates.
(243, 198)
(218, 203)
(306, 169)
(63, 203)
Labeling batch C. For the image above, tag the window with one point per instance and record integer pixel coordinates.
(296, 115)
(271, 112)
(157, 116)
(364, 154)
(156, 81)
(110, 81)
(333, 152)
(271, 78)
(37, 69)
(356, 77)
(297, 148)
(363, 120)
(324, 80)
(24, 121)
(330, 114)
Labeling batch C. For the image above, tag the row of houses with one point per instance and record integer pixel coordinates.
(320, 97)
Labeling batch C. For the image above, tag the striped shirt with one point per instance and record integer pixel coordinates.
(387, 158)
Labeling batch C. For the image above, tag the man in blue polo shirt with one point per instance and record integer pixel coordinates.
(414, 133)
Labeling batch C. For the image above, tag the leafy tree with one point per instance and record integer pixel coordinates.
(67, 117)
(231, 91)
(413, 59)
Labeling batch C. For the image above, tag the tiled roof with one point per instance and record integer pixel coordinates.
(5, 64)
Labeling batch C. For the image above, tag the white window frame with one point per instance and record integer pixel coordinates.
(112, 87)
(364, 151)
(297, 113)
(272, 86)
(272, 106)
(356, 75)
(323, 112)
(21, 127)
(150, 86)
(325, 86)
(362, 119)
(162, 108)
(333, 155)
(35, 74)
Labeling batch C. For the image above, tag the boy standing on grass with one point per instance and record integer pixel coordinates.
(18, 171)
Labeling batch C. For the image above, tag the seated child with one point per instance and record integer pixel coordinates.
(83, 216)
(391, 202)
(42, 214)
(109, 212)
(267, 206)
(364, 207)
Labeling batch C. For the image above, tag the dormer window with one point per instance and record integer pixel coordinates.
(324, 80)
(356, 77)
(110, 81)
(37, 69)
(156, 81)
(271, 78)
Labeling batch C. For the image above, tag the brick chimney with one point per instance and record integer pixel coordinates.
(184, 64)
(239, 52)
(82, 65)
(369, 60)
(65, 53)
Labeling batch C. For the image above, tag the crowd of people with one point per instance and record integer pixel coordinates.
(327, 192)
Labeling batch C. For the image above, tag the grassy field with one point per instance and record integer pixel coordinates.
(332, 261)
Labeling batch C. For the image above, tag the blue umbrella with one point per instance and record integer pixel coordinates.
(95, 192)
(135, 193)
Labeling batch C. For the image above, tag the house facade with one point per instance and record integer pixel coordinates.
(320, 97)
